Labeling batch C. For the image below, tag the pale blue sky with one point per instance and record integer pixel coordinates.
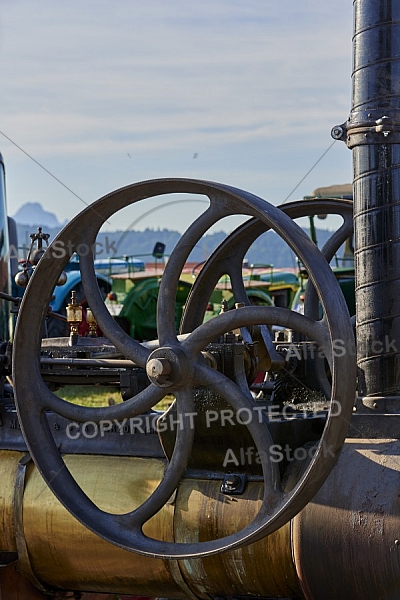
(105, 94)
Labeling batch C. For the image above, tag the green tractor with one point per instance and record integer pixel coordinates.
(342, 266)
(134, 297)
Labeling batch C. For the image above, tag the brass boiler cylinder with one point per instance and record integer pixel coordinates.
(62, 553)
(344, 544)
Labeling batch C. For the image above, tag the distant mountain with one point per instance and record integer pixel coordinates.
(32, 213)
(269, 248)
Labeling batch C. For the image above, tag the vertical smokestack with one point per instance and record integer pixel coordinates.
(373, 133)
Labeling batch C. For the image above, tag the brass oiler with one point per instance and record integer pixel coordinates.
(74, 317)
(91, 321)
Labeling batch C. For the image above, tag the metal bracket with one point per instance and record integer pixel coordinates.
(367, 129)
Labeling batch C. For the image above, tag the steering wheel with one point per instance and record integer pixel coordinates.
(177, 366)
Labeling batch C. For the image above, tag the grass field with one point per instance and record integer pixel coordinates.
(90, 395)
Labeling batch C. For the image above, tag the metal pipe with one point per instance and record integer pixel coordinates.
(87, 362)
(373, 134)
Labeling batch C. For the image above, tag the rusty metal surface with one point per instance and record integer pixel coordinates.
(346, 542)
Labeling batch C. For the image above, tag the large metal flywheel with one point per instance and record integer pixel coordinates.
(177, 365)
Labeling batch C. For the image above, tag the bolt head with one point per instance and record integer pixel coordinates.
(158, 367)
(337, 132)
(232, 481)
